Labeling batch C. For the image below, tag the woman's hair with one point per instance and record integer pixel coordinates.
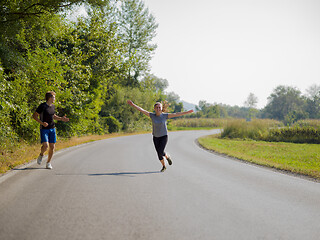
(49, 95)
(164, 104)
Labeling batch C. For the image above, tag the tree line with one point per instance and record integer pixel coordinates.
(285, 103)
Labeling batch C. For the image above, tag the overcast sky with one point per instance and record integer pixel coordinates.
(221, 50)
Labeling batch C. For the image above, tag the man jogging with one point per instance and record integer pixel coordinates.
(46, 112)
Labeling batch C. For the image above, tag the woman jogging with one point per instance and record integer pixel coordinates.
(159, 129)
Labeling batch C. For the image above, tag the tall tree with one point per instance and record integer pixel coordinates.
(137, 28)
(251, 103)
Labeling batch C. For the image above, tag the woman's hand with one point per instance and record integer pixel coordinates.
(130, 102)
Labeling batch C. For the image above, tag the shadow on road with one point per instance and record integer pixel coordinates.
(121, 173)
(28, 168)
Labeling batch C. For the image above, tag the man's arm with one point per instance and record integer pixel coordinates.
(36, 117)
(63, 119)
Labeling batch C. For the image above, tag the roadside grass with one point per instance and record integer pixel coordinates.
(26, 153)
(196, 123)
(301, 159)
(174, 128)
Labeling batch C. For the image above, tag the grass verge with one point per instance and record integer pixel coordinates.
(301, 159)
(27, 153)
(174, 128)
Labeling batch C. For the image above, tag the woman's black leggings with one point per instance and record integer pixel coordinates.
(160, 144)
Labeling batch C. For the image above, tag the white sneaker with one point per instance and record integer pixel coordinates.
(39, 159)
(49, 166)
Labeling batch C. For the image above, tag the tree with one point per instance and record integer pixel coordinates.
(25, 14)
(208, 110)
(154, 83)
(286, 104)
(251, 103)
(30, 10)
(313, 101)
(137, 28)
(174, 101)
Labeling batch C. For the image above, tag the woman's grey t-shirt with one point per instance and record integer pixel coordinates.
(159, 124)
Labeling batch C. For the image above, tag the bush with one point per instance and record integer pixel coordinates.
(308, 123)
(295, 135)
(112, 124)
(272, 131)
(256, 129)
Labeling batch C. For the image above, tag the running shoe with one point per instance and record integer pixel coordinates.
(169, 159)
(39, 159)
(163, 169)
(49, 166)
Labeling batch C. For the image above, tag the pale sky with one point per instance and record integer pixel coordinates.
(221, 50)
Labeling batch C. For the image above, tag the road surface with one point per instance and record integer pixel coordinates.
(112, 189)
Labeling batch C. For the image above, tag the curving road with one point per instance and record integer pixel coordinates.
(112, 189)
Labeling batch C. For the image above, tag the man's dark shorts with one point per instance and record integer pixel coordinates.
(48, 135)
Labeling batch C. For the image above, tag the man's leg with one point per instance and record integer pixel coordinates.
(52, 141)
(50, 153)
(44, 148)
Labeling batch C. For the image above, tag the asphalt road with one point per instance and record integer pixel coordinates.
(112, 189)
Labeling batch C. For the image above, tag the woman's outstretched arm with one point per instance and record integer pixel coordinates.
(178, 114)
(145, 112)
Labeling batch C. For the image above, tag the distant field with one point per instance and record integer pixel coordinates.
(296, 158)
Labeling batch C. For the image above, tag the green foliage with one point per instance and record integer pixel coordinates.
(272, 131)
(233, 111)
(116, 106)
(308, 123)
(112, 124)
(153, 83)
(198, 122)
(295, 135)
(7, 135)
(256, 129)
(287, 104)
(313, 101)
(137, 28)
(207, 110)
(89, 64)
